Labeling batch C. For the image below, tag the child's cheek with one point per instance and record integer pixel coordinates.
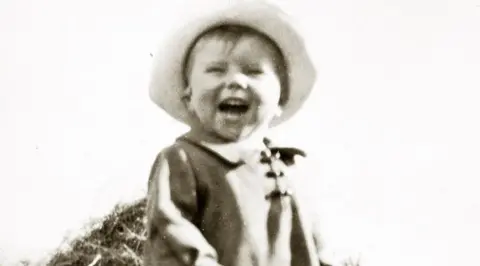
(203, 81)
(207, 104)
(205, 99)
(268, 93)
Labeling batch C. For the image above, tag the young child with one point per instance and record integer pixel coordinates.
(222, 194)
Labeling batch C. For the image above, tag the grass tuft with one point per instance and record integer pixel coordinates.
(116, 240)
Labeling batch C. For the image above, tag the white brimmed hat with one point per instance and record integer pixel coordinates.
(167, 83)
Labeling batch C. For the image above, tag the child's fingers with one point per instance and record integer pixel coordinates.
(207, 262)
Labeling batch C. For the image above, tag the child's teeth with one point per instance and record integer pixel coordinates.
(234, 102)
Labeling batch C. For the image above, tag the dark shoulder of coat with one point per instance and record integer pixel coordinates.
(286, 154)
(174, 155)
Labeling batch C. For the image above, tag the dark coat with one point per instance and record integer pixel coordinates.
(203, 209)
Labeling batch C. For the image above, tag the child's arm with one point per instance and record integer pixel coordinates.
(328, 254)
(305, 183)
(320, 242)
(172, 204)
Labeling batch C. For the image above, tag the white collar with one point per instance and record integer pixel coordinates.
(237, 152)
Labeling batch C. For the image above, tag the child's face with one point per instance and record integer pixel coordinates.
(235, 89)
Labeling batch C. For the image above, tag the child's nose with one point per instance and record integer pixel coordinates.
(237, 81)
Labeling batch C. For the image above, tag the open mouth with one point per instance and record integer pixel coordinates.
(234, 106)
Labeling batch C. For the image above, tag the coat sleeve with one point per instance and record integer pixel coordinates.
(173, 239)
(328, 253)
(319, 240)
(307, 185)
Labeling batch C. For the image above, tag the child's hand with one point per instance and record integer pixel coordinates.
(207, 262)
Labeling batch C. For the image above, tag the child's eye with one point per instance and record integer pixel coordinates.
(254, 71)
(215, 69)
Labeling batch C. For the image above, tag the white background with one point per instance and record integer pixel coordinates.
(394, 120)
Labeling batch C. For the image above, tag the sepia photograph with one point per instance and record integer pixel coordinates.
(239, 133)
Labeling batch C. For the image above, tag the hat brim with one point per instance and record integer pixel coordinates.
(167, 82)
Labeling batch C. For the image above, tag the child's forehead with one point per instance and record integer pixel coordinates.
(226, 43)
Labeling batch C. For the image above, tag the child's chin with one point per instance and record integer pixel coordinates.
(232, 135)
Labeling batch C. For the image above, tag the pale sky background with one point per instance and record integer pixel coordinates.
(394, 118)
